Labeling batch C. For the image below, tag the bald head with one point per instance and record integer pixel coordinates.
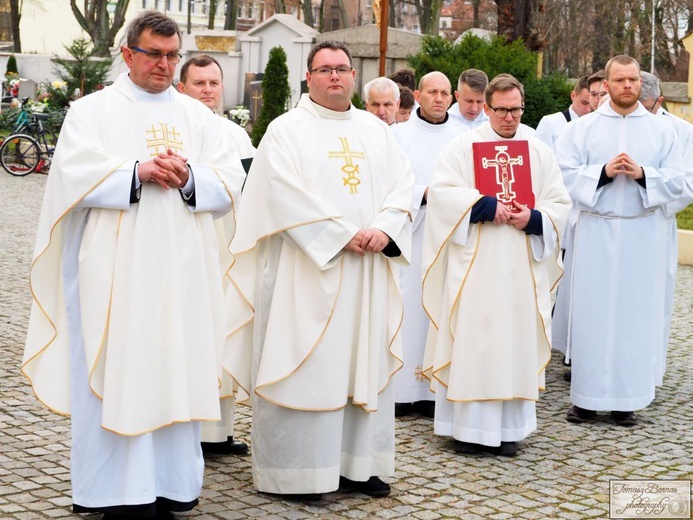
(434, 96)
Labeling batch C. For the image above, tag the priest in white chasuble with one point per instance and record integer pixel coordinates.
(623, 168)
(325, 221)
(127, 327)
(488, 273)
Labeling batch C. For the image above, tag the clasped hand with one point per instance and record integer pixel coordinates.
(368, 240)
(623, 164)
(168, 170)
(519, 218)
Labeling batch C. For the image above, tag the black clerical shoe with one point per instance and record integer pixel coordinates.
(373, 487)
(425, 408)
(467, 448)
(625, 418)
(228, 447)
(568, 375)
(579, 415)
(506, 449)
(404, 409)
(302, 497)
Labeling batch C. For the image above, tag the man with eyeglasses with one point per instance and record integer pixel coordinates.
(201, 78)
(429, 129)
(651, 98)
(325, 221)
(127, 324)
(489, 270)
(622, 167)
(595, 82)
(550, 126)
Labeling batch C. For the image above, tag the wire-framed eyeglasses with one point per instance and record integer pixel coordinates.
(501, 112)
(327, 71)
(156, 56)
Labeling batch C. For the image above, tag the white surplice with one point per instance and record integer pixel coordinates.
(127, 328)
(324, 341)
(421, 141)
(610, 311)
(486, 290)
(550, 126)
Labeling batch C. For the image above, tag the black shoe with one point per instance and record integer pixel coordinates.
(425, 408)
(507, 449)
(228, 447)
(625, 418)
(302, 497)
(467, 448)
(579, 415)
(404, 409)
(568, 375)
(373, 487)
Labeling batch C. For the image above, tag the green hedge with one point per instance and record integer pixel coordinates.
(495, 56)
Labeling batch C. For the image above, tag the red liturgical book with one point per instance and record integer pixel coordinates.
(501, 170)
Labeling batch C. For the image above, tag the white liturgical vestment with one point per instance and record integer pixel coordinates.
(487, 290)
(127, 329)
(610, 312)
(324, 341)
(421, 141)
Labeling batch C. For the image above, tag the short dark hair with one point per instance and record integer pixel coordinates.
(405, 77)
(597, 77)
(406, 97)
(476, 79)
(157, 22)
(202, 60)
(581, 84)
(621, 59)
(327, 44)
(503, 83)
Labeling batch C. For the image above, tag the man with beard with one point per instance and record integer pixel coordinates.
(621, 166)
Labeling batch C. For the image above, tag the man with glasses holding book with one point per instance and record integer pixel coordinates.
(496, 211)
(127, 324)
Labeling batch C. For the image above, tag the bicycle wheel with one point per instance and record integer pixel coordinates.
(19, 154)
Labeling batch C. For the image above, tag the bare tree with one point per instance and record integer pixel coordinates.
(429, 15)
(230, 16)
(96, 22)
(16, 16)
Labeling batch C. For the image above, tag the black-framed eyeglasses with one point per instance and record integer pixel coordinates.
(651, 109)
(502, 111)
(327, 71)
(156, 56)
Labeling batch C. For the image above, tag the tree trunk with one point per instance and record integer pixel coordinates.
(307, 6)
(97, 24)
(211, 14)
(230, 16)
(515, 22)
(16, 16)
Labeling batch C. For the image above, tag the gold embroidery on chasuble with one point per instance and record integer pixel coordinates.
(350, 169)
(161, 137)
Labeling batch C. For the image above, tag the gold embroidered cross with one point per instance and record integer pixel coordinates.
(418, 374)
(160, 137)
(349, 168)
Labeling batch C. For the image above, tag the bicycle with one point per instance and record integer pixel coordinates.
(22, 154)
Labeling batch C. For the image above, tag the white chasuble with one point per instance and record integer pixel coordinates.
(486, 287)
(150, 284)
(326, 321)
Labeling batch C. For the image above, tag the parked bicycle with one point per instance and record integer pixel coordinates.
(25, 153)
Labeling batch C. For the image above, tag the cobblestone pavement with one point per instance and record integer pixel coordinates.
(562, 470)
